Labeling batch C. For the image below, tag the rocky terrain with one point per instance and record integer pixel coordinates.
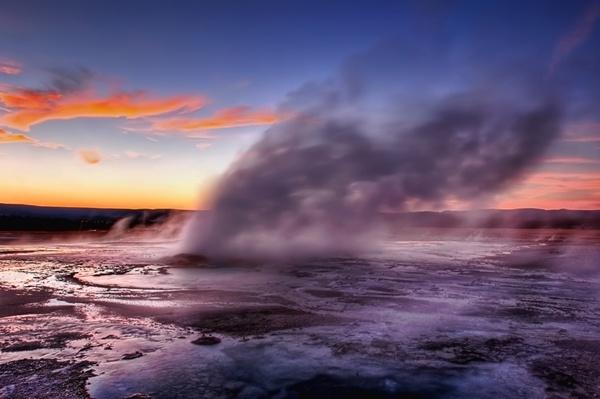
(468, 313)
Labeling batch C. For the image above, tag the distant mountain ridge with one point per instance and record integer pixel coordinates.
(524, 218)
(45, 218)
(14, 217)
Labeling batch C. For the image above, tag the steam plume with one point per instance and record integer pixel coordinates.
(317, 183)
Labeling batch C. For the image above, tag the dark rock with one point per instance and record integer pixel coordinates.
(55, 341)
(571, 373)
(138, 396)
(133, 355)
(23, 346)
(60, 340)
(186, 260)
(207, 340)
(255, 320)
(476, 349)
(43, 379)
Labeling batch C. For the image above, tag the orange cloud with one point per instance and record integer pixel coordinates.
(7, 138)
(9, 67)
(576, 36)
(28, 107)
(91, 157)
(226, 118)
(29, 99)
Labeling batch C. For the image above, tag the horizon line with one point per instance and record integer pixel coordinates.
(206, 210)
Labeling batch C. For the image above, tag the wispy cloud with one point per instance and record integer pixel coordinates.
(71, 94)
(565, 180)
(8, 138)
(583, 139)
(9, 67)
(572, 160)
(141, 155)
(588, 132)
(29, 107)
(126, 155)
(49, 145)
(90, 156)
(17, 98)
(203, 146)
(222, 119)
(576, 36)
(555, 190)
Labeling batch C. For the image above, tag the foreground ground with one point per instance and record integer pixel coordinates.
(431, 314)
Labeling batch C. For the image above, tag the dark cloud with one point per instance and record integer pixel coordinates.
(69, 80)
(577, 36)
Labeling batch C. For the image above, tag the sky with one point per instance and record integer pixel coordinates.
(143, 104)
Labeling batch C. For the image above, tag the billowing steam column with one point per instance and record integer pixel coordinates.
(316, 183)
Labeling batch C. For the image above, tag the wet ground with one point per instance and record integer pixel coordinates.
(430, 314)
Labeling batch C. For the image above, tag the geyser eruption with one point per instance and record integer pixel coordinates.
(318, 182)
